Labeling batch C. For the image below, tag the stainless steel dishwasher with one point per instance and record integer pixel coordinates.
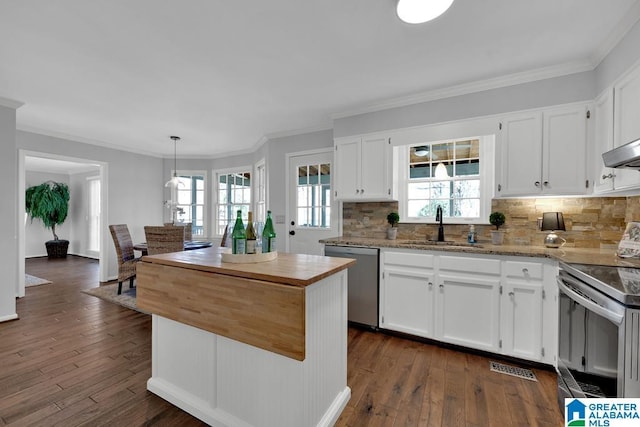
(362, 283)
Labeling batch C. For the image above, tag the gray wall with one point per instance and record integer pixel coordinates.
(622, 57)
(134, 184)
(8, 213)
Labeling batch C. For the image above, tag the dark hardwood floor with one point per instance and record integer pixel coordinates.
(73, 359)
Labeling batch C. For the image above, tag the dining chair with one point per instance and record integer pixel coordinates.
(126, 257)
(188, 232)
(163, 239)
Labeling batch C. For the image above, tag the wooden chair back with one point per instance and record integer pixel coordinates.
(161, 239)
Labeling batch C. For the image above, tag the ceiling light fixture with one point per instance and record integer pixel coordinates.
(441, 171)
(421, 151)
(173, 182)
(420, 11)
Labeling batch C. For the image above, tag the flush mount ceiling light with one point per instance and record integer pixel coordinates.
(419, 11)
(173, 182)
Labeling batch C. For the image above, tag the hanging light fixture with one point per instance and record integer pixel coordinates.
(441, 171)
(420, 11)
(174, 182)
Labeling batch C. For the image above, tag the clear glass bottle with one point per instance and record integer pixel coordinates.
(239, 236)
(251, 235)
(268, 235)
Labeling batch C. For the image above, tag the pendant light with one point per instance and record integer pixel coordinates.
(420, 11)
(174, 182)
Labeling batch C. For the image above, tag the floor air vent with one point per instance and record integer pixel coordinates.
(527, 374)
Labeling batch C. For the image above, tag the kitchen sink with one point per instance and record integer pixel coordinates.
(447, 243)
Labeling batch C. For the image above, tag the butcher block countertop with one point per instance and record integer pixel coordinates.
(593, 256)
(289, 269)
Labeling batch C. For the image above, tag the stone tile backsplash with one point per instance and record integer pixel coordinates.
(591, 222)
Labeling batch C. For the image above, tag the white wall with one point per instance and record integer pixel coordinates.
(8, 213)
(622, 57)
(35, 232)
(134, 184)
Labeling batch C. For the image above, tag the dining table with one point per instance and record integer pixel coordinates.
(189, 245)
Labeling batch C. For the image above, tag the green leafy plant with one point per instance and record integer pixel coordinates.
(393, 218)
(497, 219)
(48, 202)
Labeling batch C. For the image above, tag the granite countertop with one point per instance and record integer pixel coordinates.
(592, 256)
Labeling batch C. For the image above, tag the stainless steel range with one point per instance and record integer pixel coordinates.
(599, 331)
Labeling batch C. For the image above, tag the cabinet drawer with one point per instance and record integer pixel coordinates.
(523, 270)
(471, 265)
(408, 259)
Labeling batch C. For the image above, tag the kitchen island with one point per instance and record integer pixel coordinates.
(259, 344)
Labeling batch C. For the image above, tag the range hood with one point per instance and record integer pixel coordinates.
(625, 156)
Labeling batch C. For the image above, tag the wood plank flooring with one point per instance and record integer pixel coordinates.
(73, 359)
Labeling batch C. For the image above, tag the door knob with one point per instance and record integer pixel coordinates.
(292, 232)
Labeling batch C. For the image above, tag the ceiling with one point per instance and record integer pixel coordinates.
(223, 75)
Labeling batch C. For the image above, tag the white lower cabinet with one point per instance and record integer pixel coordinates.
(407, 302)
(468, 301)
(501, 304)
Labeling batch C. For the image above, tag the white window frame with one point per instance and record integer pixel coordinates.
(90, 180)
(486, 176)
(174, 195)
(259, 194)
(214, 188)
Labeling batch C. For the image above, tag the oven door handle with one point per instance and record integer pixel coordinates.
(590, 305)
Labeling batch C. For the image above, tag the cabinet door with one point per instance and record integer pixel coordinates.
(603, 140)
(374, 169)
(407, 301)
(564, 148)
(521, 147)
(468, 311)
(347, 160)
(626, 126)
(522, 319)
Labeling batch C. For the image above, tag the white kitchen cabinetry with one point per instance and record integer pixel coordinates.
(522, 295)
(544, 152)
(501, 304)
(603, 141)
(468, 302)
(407, 293)
(626, 123)
(363, 169)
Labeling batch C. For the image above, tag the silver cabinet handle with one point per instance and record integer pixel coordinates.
(610, 176)
(537, 183)
(430, 284)
(546, 183)
(441, 286)
(362, 191)
(511, 294)
(525, 270)
(357, 191)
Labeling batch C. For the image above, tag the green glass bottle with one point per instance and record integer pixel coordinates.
(268, 235)
(251, 235)
(239, 236)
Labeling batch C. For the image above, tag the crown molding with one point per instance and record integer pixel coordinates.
(10, 103)
(301, 131)
(472, 87)
(61, 135)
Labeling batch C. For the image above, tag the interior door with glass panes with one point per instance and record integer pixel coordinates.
(312, 214)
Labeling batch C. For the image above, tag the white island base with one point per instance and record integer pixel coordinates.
(224, 382)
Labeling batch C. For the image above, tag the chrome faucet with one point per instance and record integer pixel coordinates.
(440, 227)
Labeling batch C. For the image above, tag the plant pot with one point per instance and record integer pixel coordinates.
(57, 248)
(497, 237)
(392, 233)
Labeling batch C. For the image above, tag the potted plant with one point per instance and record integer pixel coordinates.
(392, 232)
(497, 219)
(49, 202)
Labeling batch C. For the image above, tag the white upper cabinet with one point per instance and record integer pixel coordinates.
(603, 141)
(626, 123)
(544, 152)
(363, 169)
